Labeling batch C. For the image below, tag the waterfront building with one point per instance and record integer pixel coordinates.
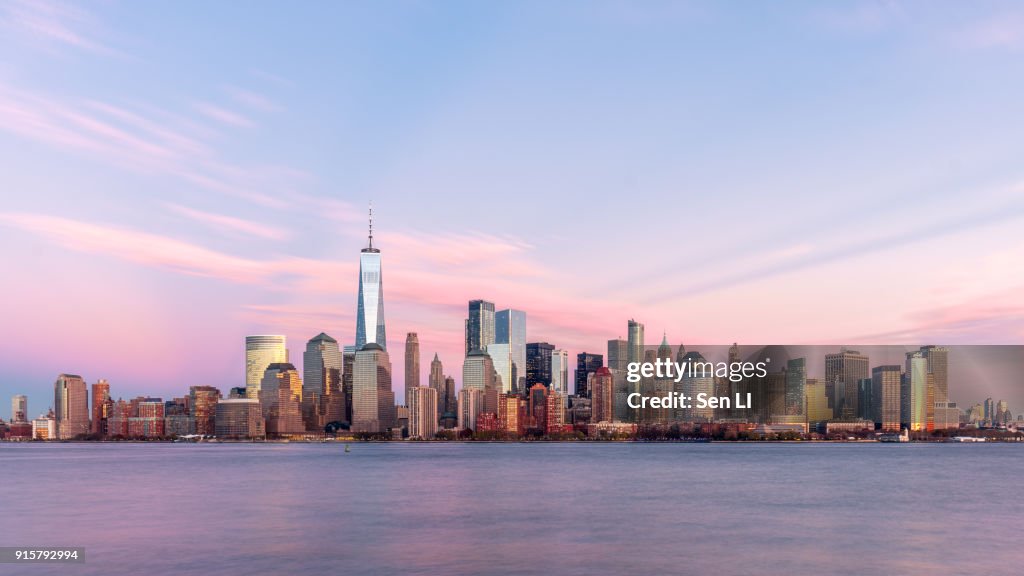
(436, 381)
(373, 402)
(412, 364)
(538, 363)
(239, 418)
(843, 371)
(19, 408)
(635, 336)
(478, 371)
(101, 404)
(44, 428)
(203, 409)
(602, 396)
(262, 351)
(586, 364)
(471, 405)
(422, 412)
(560, 373)
(479, 325)
(71, 406)
(370, 309)
(816, 402)
(510, 328)
(885, 396)
(281, 400)
(914, 394)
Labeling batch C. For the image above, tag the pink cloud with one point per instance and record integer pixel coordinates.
(222, 222)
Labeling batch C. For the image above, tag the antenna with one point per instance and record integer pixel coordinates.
(371, 224)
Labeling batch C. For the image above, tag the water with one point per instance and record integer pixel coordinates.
(516, 508)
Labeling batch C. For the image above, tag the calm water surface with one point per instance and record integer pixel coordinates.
(517, 508)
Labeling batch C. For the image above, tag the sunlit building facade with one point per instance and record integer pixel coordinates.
(71, 406)
(262, 351)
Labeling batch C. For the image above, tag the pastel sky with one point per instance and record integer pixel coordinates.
(178, 174)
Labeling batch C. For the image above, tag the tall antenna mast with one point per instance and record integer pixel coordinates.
(371, 224)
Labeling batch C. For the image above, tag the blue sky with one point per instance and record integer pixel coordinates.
(179, 174)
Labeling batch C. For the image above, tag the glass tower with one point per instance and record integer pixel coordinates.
(510, 328)
(370, 314)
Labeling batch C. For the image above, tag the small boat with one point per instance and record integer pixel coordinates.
(347, 448)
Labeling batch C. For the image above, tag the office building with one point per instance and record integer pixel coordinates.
(885, 396)
(70, 406)
(281, 400)
(618, 355)
(538, 363)
(101, 404)
(478, 371)
(796, 379)
(370, 309)
(436, 381)
(938, 367)
(635, 341)
(19, 408)
(816, 402)
(260, 352)
(560, 372)
(914, 396)
(479, 325)
(239, 418)
(586, 364)
(510, 328)
(203, 408)
(602, 396)
(842, 373)
(373, 399)
(412, 364)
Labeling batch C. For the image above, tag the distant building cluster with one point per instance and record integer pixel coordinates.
(511, 388)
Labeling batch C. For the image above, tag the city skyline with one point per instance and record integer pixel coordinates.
(159, 217)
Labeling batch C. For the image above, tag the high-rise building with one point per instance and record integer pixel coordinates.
(281, 400)
(842, 373)
(501, 356)
(586, 364)
(323, 400)
(19, 408)
(260, 352)
(510, 328)
(538, 363)
(602, 396)
(915, 393)
(239, 418)
(422, 412)
(348, 362)
(618, 355)
(694, 382)
(938, 366)
(471, 404)
(866, 400)
(508, 413)
(203, 408)
(796, 379)
(373, 399)
(554, 412)
(71, 406)
(816, 401)
(635, 335)
(560, 372)
(100, 407)
(478, 371)
(479, 325)
(412, 364)
(885, 396)
(370, 310)
(436, 381)
(451, 405)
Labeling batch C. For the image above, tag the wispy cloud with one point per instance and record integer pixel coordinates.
(54, 23)
(251, 100)
(223, 115)
(231, 224)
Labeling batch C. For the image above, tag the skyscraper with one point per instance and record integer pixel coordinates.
(370, 311)
(842, 373)
(322, 397)
(71, 406)
(618, 355)
(796, 379)
(538, 363)
(100, 407)
(19, 408)
(436, 382)
(479, 325)
(373, 399)
(478, 371)
(560, 372)
(422, 412)
(816, 402)
(938, 366)
(501, 355)
(471, 404)
(915, 393)
(260, 352)
(510, 328)
(203, 408)
(281, 400)
(635, 335)
(412, 363)
(603, 396)
(885, 394)
(586, 364)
